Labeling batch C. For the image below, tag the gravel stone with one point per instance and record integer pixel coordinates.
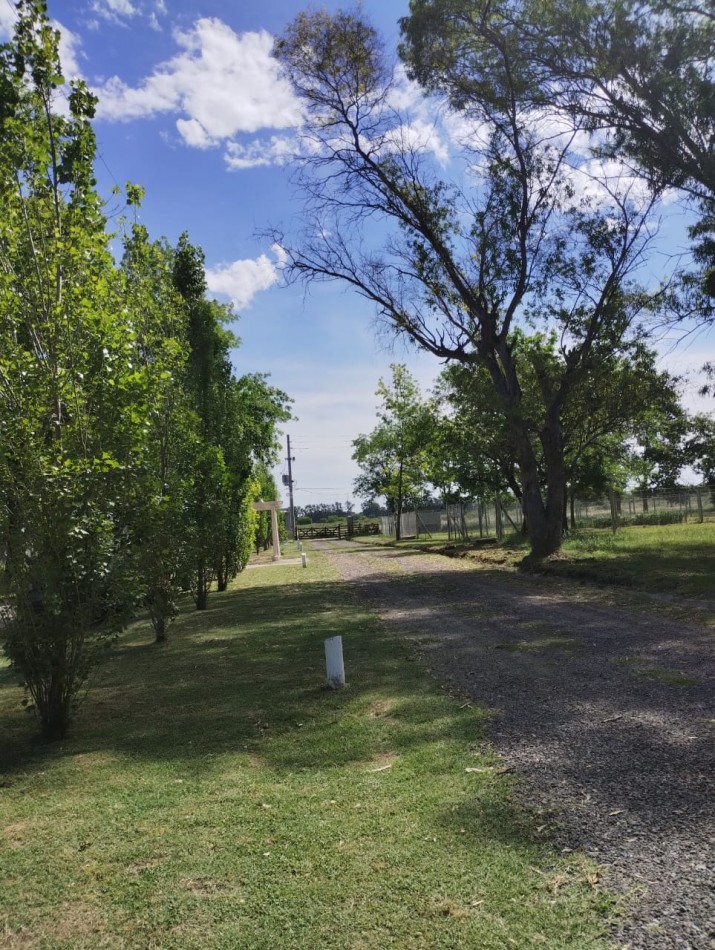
(604, 712)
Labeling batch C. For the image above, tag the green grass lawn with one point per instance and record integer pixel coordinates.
(213, 794)
(677, 559)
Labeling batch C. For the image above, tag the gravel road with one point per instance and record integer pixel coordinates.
(605, 714)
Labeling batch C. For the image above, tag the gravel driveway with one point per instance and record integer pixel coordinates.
(605, 713)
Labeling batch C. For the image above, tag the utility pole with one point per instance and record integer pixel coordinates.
(290, 458)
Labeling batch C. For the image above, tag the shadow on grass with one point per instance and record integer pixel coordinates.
(688, 573)
(647, 743)
(248, 674)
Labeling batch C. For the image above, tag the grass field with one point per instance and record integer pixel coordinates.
(676, 559)
(214, 794)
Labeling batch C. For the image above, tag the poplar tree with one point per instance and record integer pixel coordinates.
(70, 433)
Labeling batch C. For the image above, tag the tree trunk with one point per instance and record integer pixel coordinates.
(398, 520)
(54, 711)
(222, 574)
(544, 517)
(159, 624)
(202, 593)
(573, 509)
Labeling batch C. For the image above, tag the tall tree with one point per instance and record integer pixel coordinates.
(613, 405)
(208, 377)
(392, 458)
(638, 73)
(700, 447)
(70, 438)
(155, 512)
(237, 434)
(252, 409)
(465, 261)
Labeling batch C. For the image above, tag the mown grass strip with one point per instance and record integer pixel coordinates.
(214, 794)
(676, 559)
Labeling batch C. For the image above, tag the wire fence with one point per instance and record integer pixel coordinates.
(492, 518)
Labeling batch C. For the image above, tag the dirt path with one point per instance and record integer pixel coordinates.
(605, 714)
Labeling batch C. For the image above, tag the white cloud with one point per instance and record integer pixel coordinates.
(224, 83)
(607, 183)
(194, 134)
(404, 94)
(8, 15)
(418, 136)
(242, 280)
(278, 150)
(121, 11)
(69, 48)
(114, 9)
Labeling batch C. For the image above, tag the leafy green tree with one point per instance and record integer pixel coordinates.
(660, 451)
(372, 509)
(700, 447)
(605, 415)
(464, 261)
(265, 489)
(638, 73)
(323, 512)
(392, 458)
(208, 381)
(155, 514)
(251, 411)
(72, 430)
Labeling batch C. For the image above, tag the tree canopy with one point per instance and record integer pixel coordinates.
(635, 74)
(128, 447)
(459, 263)
(393, 457)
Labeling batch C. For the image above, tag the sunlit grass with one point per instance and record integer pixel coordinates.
(214, 794)
(667, 559)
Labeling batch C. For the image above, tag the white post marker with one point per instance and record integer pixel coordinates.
(334, 662)
(304, 559)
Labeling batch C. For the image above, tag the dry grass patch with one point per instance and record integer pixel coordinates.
(661, 674)
(541, 644)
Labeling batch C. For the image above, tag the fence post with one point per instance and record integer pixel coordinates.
(614, 515)
(701, 513)
(497, 518)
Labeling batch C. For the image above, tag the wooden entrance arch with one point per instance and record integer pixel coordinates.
(274, 507)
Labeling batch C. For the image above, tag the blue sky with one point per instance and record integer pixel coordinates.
(191, 107)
